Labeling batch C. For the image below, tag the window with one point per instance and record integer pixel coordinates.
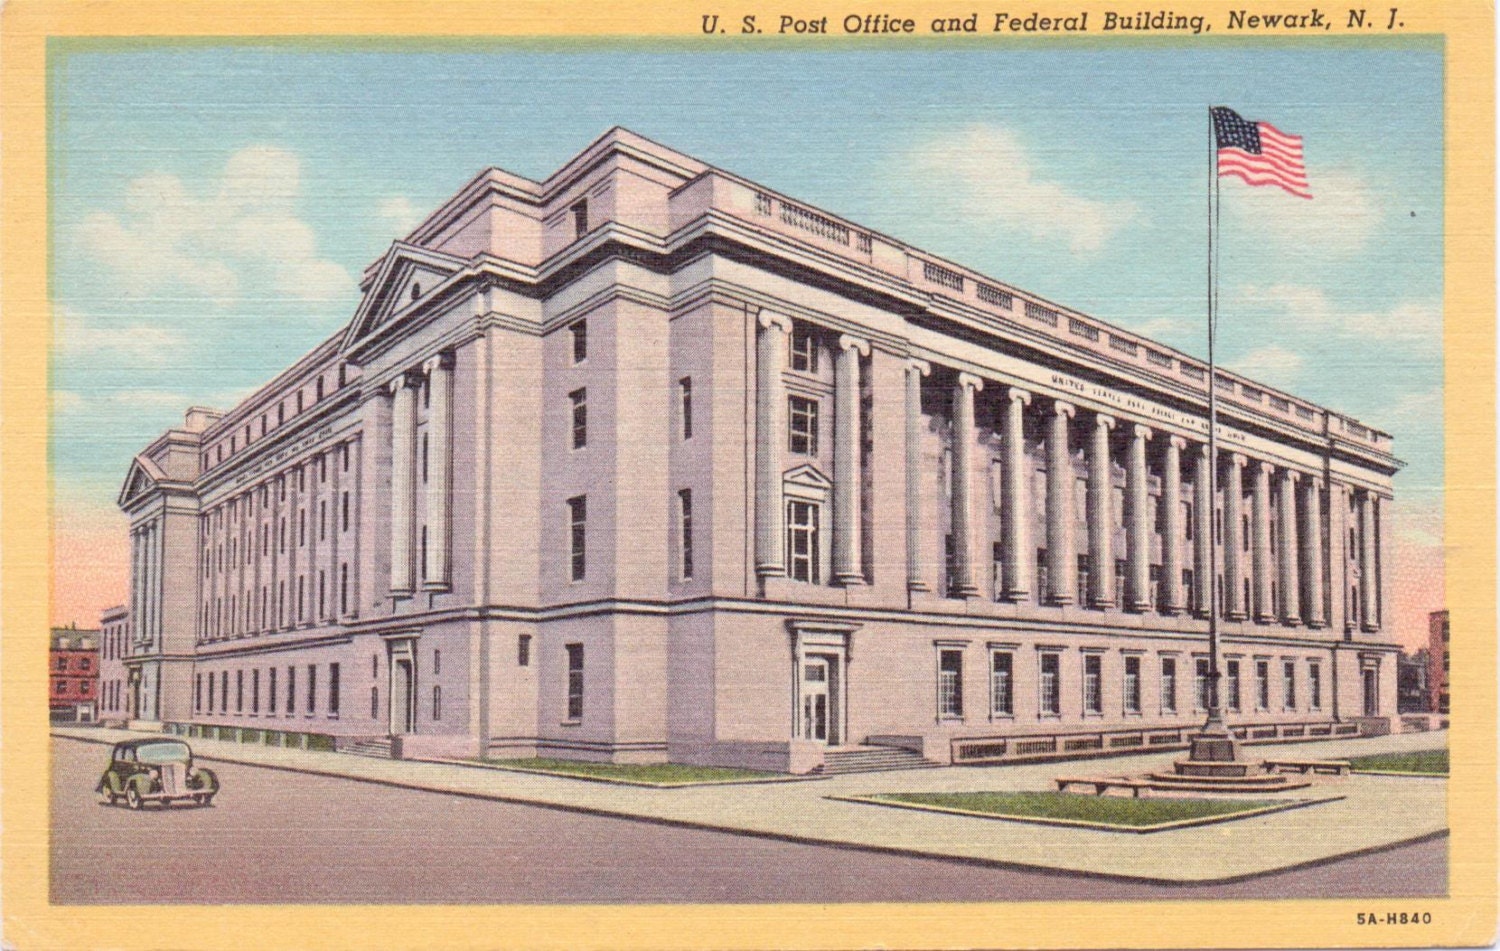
(344, 588)
(579, 332)
(271, 691)
(1201, 685)
(211, 681)
(333, 690)
(1050, 692)
(255, 691)
(802, 542)
(1002, 686)
(803, 423)
(224, 691)
(804, 351)
(291, 690)
(437, 661)
(312, 688)
(1262, 685)
(1289, 685)
(1043, 591)
(575, 681)
(580, 402)
(685, 503)
(437, 702)
(997, 569)
(1132, 684)
(239, 691)
(1169, 685)
(1083, 579)
(374, 702)
(685, 405)
(523, 650)
(1120, 572)
(198, 693)
(580, 211)
(1232, 700)
(424, 458)
(950, 683)
(1093, 697)
(578, 536)
(1315, 685)
(344, 501)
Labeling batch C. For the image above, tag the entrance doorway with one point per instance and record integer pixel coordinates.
(135, 695)
(819, 691)
(1372, 691)
(403, 687)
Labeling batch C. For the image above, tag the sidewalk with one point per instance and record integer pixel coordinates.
(1376, 811)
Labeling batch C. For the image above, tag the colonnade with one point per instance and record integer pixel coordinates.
(1287, 560)
(405, 530)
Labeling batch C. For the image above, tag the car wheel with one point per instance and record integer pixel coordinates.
(133, 797)
(108, 796)
(204, 799)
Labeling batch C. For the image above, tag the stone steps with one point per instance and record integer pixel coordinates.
(838, 762)
(377, 748)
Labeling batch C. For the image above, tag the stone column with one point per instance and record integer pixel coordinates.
(770, 431)
(1170, 600)
(1138, 522)
(963, 478)
(848, 552)
(1017, 556)
(916, 571)
(403, 459)
(1203, 533)
(1260, 541)
(1062, 563)
(1369, 616)
(439, 372)
(1234, 511)
(1289, 577)
(1101, 516)
(1312, 551)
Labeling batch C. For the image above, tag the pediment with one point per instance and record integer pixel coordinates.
(143, 478)
(407, 276)
(807, 476)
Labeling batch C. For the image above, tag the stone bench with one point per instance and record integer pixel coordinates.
(1102, 784)
(1334, 767)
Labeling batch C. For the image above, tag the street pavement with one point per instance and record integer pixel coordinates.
(275, 836)
(1374, 811)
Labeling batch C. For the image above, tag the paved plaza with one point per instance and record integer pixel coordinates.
(1375, 812)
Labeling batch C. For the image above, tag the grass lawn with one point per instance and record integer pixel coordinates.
(655, 774)
(1420, 762)
(1075, 807)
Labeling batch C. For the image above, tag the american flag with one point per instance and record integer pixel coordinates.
(1259, 153)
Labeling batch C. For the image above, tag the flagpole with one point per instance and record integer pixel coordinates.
(1214, 742)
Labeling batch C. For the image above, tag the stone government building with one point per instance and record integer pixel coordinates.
(646, 462)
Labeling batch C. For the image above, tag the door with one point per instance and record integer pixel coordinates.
(403, 706)
(1372, 691)
(815, 697)
(135, 695)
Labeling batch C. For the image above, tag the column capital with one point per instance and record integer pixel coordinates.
(1063, 408)
(1139, 431)
(1017, 395)
(439, 361)
(850, 342)
(1290, 475)
(1314, 480)
(1238, 460)
(1177, 442)
(1264, 466)
(1104, 420)
(920, 367)
(769, 319)
(399, 382)
(971, 381)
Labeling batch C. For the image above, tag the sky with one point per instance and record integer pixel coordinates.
(212, 206)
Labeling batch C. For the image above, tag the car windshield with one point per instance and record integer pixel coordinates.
(164, 753)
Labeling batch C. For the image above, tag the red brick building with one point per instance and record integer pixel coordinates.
(1437, 660)
(73, 669)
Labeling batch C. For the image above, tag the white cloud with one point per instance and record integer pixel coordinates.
(992, 178)
(1416, 327)
(1340, 218)
(79, 335)
(113, 403)
(399, 215)
(206, 246)
(1273, 365)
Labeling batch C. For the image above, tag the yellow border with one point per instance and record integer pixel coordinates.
(1467, 917)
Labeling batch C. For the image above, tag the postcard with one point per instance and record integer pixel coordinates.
(689, 475)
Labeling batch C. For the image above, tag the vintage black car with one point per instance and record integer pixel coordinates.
(156, 770)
